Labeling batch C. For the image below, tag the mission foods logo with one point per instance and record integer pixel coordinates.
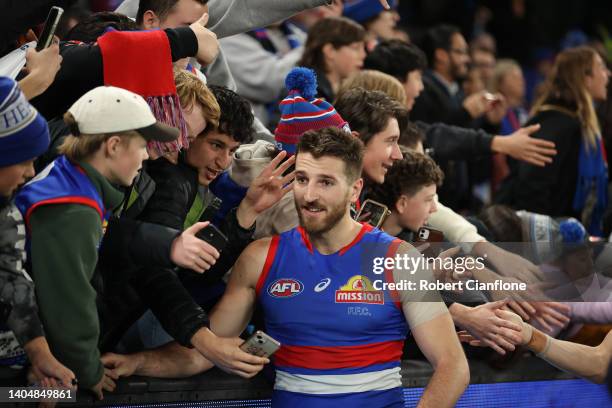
(284, 288)
(359, 289)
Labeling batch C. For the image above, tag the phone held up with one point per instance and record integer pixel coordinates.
(431, 236)
(213, 236)
(378, 213)
(46, 37)
(260, 344)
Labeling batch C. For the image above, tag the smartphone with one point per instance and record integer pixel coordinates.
(378, 212)
(213, 236)
(426, 234)
(492, 98)
(46, 37)
(260, 344)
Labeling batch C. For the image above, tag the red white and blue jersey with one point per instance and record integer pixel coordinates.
(61, 182)
(342, 339)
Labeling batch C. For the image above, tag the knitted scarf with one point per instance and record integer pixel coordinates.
(592, 176)
(141, 62)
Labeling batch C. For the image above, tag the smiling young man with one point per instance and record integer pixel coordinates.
(65, 210)
(376, 119)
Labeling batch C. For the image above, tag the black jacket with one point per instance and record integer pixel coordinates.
(135, 273)
(324, 87)
(435, 104)
(175, 192)
(455, 143)
(547, 190)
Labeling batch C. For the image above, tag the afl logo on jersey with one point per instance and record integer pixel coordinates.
(283, 288)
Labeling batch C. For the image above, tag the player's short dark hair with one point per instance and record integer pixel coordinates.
(396, 58)
(90, 28)
(334, 142)
(368, 112)
(407, 177)
(160, 7)
(236, 118)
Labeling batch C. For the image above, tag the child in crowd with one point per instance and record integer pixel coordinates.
(65, 210)
(24, 135)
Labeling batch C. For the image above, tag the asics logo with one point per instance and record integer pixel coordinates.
(321, 286)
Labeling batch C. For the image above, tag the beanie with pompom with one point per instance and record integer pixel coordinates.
(301, 111)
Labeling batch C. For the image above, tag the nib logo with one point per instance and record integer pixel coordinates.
(283, 288)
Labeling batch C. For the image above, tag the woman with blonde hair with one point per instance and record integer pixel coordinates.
(576, 182)
(374, 81)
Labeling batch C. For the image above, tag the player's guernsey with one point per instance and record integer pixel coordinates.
(341, 338)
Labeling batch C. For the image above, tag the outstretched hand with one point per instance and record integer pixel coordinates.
(266, 190)
(489, 329)
(521, 146)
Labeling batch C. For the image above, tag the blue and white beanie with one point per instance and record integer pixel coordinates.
(24, 133)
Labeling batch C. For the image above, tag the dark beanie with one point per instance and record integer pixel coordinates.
(24, 134)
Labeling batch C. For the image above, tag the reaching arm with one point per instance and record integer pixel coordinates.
(231, 315)
(259, 74)
(588, 362)
(455, 227)
(229, 17)
(168, 361)
(218, 345)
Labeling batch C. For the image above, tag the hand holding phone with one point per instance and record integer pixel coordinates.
(260, 344)
(213, 236)
(46, 37)
(430, 235)
(373, 212)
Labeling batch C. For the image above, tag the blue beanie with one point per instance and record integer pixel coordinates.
(363, 10)
(24, 133)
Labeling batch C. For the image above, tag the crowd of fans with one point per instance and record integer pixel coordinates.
(149, 120)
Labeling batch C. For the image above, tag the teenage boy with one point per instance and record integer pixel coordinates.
(182, 197)
(409, 192)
